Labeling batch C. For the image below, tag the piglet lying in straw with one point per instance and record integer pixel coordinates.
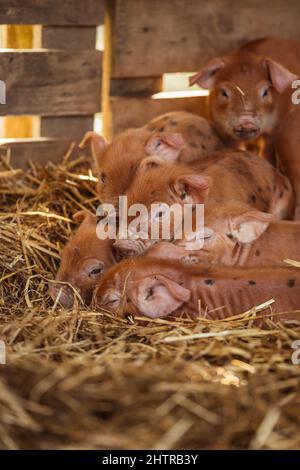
(247, 238)
(157, 288)
(177, 136)
(84, 260)
(235, 176)
(288, 150)
(250, 89)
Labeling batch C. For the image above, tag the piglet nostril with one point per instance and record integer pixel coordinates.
(247, 130)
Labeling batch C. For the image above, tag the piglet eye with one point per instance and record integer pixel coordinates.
(96, 271)
(224, 93)
(103, 177)
(265, 92)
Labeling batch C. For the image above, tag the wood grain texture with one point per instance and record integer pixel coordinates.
(51, 82)
(38, 150)
(52, 12)
(68, 37)
(73, 127)
(135, 112)
(150, 38)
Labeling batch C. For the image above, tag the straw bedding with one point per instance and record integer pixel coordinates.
(84, 379)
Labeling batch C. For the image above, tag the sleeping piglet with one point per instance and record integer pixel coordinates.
(236, 176)
(250, 89)
(157, 288)
(248, 238)
(84, 259)
(177, 136)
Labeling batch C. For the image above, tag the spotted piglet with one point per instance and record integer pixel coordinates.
(157, 288)
(172, 137)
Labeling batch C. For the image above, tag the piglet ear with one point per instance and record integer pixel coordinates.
(165, 144)
(82, 216)
(248, 227)
(192, 189)
(97, 142)
(149, 163)
(206, 76)
(158, 296)
(281, 78)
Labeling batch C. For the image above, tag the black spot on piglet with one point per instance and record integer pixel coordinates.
(252, 283)
(291, 283)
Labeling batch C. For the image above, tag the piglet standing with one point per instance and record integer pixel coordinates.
(251, 89)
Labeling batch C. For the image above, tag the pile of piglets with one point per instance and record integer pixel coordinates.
(251, 201)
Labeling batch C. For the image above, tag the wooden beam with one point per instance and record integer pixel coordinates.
(38, 150)
(51, 82)
(135, 112)
(52, 12)
(159, 36)
(73, 127)
(67, 38)
(18, 37)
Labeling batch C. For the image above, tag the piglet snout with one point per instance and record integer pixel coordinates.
(63, 293)
(246, 129)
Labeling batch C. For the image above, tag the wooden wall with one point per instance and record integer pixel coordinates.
(60, 79)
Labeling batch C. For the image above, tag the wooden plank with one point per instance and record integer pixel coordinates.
(135, 112)
(51, 82)
(18, 37)
(135, 86)
(52, 12)
(159, 36)
(73, 127)
(38, 150)
(68, 37)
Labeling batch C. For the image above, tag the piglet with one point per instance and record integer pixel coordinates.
(84, 260)
(229, 242)
(250, 89)
(157, 288)
(177, 136)
(288, 150)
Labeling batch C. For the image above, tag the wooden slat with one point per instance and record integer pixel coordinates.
(135, 86)
(68, 37)
(51, 12)
(51, 82)
(73, 127)
(135, 112)
(158, 36)
(18, 37)
(38, 150)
